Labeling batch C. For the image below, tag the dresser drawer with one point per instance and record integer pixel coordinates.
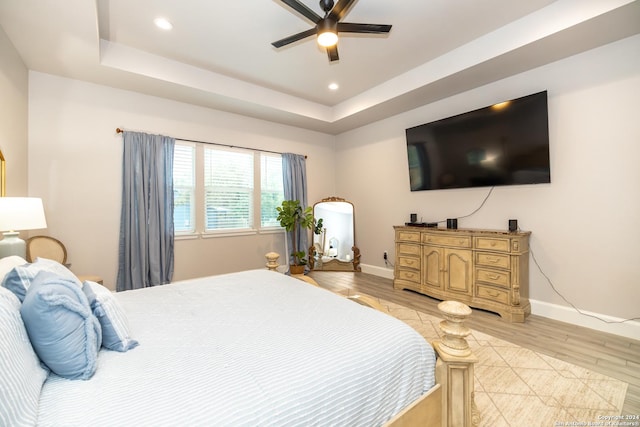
(460, 241)
(409, 262)
(492, 243)
(493, 260)
(408, 236)
(408, 249)
(494, 277)
(411, 276)
(492, 294)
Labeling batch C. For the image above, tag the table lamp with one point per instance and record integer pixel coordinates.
(19, 213)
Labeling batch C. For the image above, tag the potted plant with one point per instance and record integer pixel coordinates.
(292, 217)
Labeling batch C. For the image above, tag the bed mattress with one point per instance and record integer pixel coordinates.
(254, 348)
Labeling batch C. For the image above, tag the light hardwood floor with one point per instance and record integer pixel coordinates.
(607, 354)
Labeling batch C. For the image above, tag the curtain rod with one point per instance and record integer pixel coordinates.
(118, 130)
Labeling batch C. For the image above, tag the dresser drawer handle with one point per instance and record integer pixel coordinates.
(494, 294)
(409, 262)
(493, 260)
(492, 243)
(493, 276)
(461, 242)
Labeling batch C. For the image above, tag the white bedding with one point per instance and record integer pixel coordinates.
(255, 348)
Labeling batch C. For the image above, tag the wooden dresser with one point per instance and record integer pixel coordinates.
(482, 268)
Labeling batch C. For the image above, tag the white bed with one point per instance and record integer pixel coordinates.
(255, 348)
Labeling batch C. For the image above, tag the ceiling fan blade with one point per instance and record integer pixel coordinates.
(347, 27)
(303, 10)
(294, 38)
(333, 53)
(341, 9)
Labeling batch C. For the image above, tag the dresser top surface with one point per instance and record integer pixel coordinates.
(503, 233)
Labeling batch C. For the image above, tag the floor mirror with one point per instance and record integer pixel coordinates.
(334, 249)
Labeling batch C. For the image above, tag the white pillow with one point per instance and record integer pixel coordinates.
(8, 263)
(111, 315)
(21, 374)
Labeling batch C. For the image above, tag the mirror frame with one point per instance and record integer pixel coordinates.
(336, 264)
(3, 176)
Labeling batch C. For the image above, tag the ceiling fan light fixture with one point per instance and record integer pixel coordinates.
(327, 32)
(327, 39)
(326, 29)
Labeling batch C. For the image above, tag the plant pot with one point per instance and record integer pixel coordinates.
(296, 269)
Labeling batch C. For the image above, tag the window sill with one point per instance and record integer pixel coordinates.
(190, 236)
(228, 233)
(271, 230)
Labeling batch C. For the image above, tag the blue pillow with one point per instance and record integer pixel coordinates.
(19, 279)
(115, 327)
(63, 331)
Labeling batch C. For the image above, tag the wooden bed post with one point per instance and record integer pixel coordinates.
(454, 367)
(272, 261)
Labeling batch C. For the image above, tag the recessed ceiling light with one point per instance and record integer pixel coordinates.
(163, 23)
(333, 86)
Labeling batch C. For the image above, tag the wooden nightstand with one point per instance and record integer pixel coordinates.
(96, 279)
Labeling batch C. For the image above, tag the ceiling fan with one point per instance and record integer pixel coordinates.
(327, 28)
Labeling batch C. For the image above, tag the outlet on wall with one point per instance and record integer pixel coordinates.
(385, 255)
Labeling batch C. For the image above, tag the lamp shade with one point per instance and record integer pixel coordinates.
(21, 213)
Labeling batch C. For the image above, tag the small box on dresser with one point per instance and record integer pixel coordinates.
(485, 269)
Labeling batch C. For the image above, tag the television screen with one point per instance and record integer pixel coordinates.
(503, 144)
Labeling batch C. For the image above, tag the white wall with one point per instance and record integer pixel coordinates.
(75, 159)
(13, 117)
(583, 224)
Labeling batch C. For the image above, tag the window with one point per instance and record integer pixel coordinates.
(228, 187)
(235, 190)
(183, 188)
(272, 193)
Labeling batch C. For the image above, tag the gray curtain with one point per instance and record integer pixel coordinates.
(294, 172)
(146, 221)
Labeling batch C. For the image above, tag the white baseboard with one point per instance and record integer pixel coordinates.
(387, 273)
(561, 313)
(630, 329)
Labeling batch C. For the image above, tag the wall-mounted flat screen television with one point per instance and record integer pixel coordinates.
(503, 144)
